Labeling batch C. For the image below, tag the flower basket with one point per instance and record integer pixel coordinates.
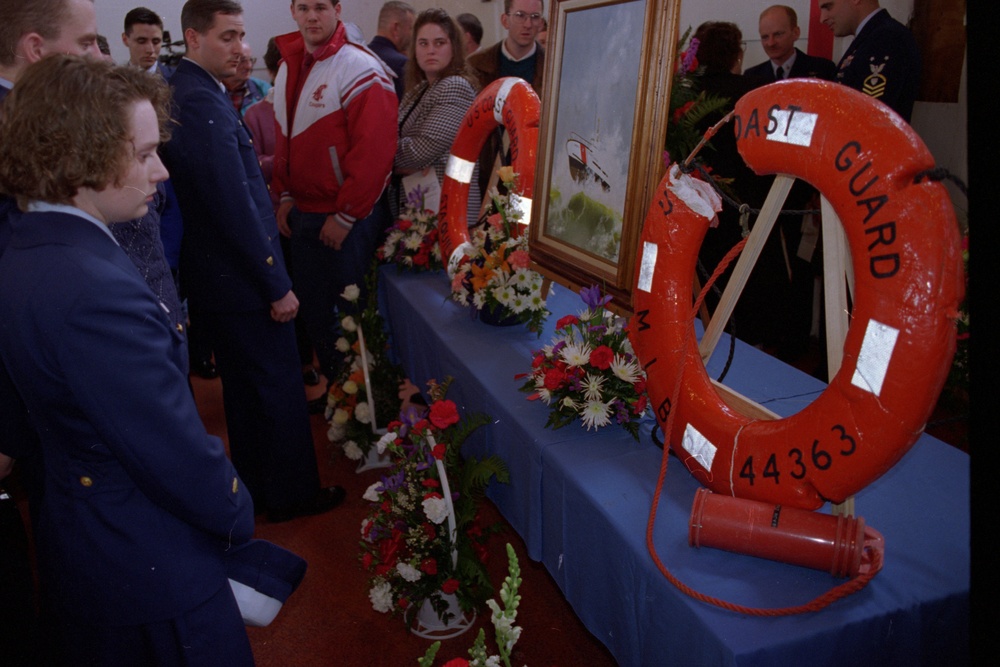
(361, 400)
(411, 243)
(422, 543)
(495, 280)
(589, 372)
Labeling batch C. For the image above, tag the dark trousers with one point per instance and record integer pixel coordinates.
(270, 437)
(209, 635)
(320, 274)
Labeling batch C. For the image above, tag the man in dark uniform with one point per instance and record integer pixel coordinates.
(779, 29)
(883, 60)
(238, 285)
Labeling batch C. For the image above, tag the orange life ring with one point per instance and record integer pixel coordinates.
(512, 103)
(907, 265)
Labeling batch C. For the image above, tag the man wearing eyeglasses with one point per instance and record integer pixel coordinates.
(519, 53)
(245, 90)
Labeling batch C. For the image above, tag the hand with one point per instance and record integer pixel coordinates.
(285, 308)
(333, 233)
(282, 214)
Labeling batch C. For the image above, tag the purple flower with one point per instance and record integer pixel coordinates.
(416, 197)
(687, 65)
(592, 297)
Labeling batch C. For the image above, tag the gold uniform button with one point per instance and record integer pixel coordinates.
(86, 481)
(270, 261)
(236, 484)
(180, 328)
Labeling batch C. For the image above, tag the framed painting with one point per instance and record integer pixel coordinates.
(601, 137)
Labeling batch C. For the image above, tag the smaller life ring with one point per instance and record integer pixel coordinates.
(509, 102)
(907, 265)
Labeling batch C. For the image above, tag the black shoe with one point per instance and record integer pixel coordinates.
(324, 501)
(317, 405)
(204, 369)
(310, 377)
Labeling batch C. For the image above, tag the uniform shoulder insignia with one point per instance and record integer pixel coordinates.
(874, 84)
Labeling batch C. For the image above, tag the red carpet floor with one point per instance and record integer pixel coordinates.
(329, 621)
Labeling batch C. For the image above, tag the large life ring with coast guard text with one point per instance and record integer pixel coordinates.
(509, 102)
(906, 258)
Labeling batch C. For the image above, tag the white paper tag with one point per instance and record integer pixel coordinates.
(698, 446)
(794, 127)
(873, 360)
(648, 266)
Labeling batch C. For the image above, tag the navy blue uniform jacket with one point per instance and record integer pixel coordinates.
(230, 254)
(883, 61)
(138, 504)
(805, 65)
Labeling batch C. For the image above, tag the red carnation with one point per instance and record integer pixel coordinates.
(444, 413)
(602, 357)
(429, 566)
(366, 560)
(439, 451)
(450, 586)
(567, 320)
(456, 662)
(431, 483)
(554, 378)
(404, 224)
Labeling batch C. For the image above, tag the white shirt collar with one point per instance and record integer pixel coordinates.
(787, 65)
(36, 206)
(503, 48)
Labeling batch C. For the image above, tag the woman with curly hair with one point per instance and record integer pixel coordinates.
(439, 90)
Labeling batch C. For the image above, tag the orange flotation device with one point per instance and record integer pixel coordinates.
(906, 259)
(509, 102)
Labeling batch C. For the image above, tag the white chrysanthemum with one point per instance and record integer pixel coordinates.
(350, 387)
(381, 597)
(576, 354)
(493, 661)
(343, 345)
(504, 296)
(351, 293)
(523, 277)
(408, 572)
(371, 493)
(348, 324)
(393, 237)
(435, 509)
(363, 413)
(544, 394)
(336, 432)
(340, 416)
(625, 370)
(479, 300)
(569, 403)
(595, 414)
(352, 451)
(413, 241)
(461, 296)
(385, 441)
(364, 529)
(518, 304)
(592, 386)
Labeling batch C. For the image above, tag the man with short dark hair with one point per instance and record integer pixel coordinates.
(143, 37)
(235, 277)
(472, 29)
(779, 29)
(518, 54)
(392, 41)
(883, 60)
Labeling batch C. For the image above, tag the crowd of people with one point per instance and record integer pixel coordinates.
(158, 221)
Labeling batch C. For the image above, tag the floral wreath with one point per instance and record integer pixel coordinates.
(412, 240)
(407, 544)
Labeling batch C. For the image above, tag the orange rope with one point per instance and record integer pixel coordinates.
(834, 594)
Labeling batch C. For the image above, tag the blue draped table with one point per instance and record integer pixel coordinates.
(581, 500)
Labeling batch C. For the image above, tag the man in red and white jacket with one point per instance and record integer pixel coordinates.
(335, 111)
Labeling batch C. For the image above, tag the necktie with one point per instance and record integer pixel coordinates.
(779, 73)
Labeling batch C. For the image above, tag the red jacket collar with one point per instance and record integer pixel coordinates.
(293, 46)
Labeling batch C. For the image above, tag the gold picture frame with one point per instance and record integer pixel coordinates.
(601, 137)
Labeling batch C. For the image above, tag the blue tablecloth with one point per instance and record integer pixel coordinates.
(581, 500)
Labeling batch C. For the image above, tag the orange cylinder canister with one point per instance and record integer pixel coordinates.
(785, 534)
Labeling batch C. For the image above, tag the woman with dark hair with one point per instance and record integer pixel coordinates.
(135, 506)
(762, 308)
(439, 90)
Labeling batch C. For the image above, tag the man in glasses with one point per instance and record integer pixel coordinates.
(519, 53)
(245, 90)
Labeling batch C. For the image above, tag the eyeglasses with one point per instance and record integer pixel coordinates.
(252, 61)
(524, 17)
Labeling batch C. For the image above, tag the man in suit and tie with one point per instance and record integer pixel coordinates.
(883, 60)
(143, 37)
(779, 29)
(235, 276)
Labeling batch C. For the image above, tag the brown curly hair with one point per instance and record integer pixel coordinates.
(457, 66)
(65, 126)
